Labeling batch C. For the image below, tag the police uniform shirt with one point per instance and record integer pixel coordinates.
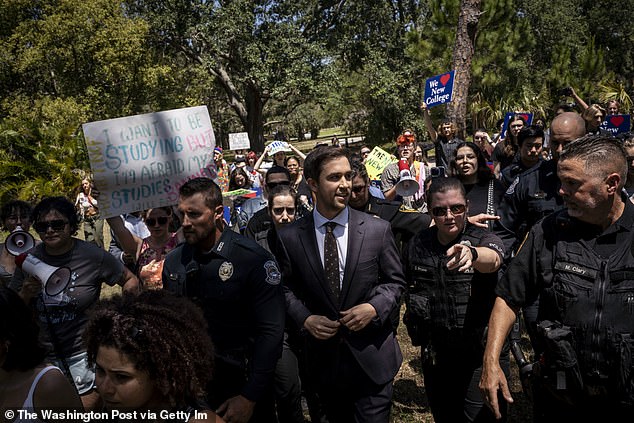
(531, 269)
(532, 196)
(237, 285)
(404, 223)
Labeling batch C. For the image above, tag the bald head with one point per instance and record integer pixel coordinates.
(565, 128)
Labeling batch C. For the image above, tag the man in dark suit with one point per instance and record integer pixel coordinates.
(342, 295)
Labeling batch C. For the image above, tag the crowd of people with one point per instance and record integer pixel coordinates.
(296, 293)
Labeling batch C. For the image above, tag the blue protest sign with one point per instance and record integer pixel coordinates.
(439, 89)
(528, 119)
(616, 124)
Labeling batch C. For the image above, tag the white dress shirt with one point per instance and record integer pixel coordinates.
(341, 236)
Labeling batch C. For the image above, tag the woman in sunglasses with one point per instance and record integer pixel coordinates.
(282, 208)
(451, 269)
(62, 305)
(149, 253)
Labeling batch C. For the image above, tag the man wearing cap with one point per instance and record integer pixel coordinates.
(405, 146)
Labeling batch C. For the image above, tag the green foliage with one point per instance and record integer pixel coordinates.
(305, 64)
(42, 152)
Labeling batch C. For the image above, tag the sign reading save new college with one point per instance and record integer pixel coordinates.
(140, 162)
(439, 89)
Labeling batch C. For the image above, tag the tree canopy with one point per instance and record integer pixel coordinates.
(304, 64)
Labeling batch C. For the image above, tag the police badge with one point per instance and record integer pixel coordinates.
(225, 271)
(273, 275)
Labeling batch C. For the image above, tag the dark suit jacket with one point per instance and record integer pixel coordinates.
(373, 274)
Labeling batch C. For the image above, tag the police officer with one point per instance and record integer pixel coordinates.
(578, 262)
(530, 140)
(451, 270)
(533, 195)
(405, 223)
(237, 285)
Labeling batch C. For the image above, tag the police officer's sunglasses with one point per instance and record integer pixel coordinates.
(455, 209)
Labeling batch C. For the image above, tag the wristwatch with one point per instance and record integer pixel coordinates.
(474, 254)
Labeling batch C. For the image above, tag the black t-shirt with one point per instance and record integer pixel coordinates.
(499, 156)
(478, 195)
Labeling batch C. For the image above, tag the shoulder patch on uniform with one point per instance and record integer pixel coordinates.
(225, 271)
(273, 274)
(511, 189)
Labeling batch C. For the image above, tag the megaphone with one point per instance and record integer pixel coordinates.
(19, 242)
(406, 185)
(54, 279)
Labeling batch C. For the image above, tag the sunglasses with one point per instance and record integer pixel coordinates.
(56, 225)
(359, 189)
(152, 221)
(455, 209)
(272, 185)
(278, 211)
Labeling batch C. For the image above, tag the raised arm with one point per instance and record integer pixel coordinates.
(257, 164)
(130, 243)
(582, 104)
(428, 123)
(301, 155)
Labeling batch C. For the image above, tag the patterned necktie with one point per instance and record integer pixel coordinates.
(331, 259)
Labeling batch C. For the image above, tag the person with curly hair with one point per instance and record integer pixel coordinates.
(151, 353)
(26, 381)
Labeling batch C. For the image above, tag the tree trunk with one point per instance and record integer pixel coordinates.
(461, 62)
(255, 122)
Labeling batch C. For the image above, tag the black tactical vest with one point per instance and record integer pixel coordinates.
(442, 303)
(594, 297)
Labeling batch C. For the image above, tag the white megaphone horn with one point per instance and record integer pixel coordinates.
(54, 279)
(406, 185)
(19, 242)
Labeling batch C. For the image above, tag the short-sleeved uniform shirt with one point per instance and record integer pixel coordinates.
(238, 286)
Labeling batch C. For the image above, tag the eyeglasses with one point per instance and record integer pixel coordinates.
(278, 211)
(359, 189)
(56, 225)
(152, 221)
(455, 210)
(271, 185)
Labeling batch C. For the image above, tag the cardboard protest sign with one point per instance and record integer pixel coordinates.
(528, 118)
(277, 146)
(439, 89)
(239, 141)
(616, 124)
(377, 160)
(141, 161)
